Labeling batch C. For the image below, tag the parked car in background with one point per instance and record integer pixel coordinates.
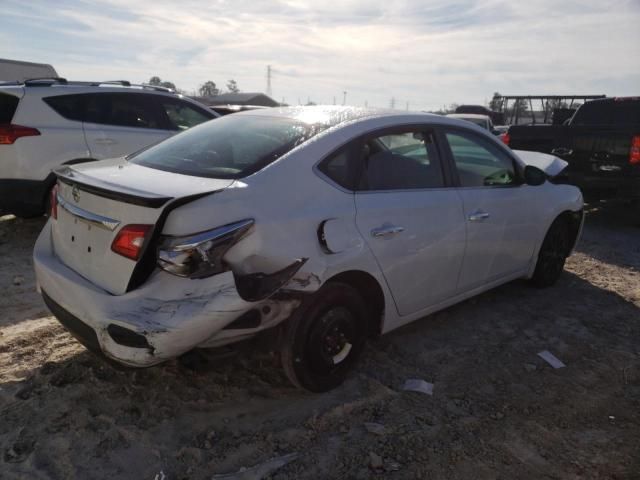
(501, 132)
(483, 121)
(336, 223)
(46, 123)
(227, 109)
(496, 117)
(601, 144)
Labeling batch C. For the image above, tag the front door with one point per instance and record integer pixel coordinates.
(498, 210)
(411, 221)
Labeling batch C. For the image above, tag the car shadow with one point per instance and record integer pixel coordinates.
(612, 233)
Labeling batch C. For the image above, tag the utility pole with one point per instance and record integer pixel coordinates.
(334, 99)
(366, 104)
(269, 93)
(344, 98)
(393, 103)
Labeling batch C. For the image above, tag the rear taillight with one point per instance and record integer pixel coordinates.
(53, 201)
(634, 151)
(505, 138)
(9, 133)
(201, 255)
(130, 240)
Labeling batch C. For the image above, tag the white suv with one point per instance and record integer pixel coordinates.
(46, 123)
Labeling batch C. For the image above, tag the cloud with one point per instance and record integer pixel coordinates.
(427, 53)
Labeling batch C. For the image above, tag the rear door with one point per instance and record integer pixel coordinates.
(499, 210)
(412, 222)
(118, 124)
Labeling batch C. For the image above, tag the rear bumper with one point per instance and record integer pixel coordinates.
(162, 319)
(23, 197)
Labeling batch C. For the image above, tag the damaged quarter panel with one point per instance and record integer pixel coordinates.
(288, 214)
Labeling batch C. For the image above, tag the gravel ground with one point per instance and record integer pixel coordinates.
(497, 409)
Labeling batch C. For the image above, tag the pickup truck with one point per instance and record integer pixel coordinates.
(601, 144)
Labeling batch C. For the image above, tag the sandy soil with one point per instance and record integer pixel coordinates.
(497, 410)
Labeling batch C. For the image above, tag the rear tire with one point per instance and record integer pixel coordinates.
(324, 338)
(553, 254)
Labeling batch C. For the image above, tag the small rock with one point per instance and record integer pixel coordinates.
(18, 279)
(375, 428)
(530, 367)
(392, 467)
(375, 461)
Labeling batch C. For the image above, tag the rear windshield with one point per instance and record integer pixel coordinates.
(620, 112)
(233, 146)
(8, 106)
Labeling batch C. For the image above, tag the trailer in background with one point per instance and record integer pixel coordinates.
(18, 71)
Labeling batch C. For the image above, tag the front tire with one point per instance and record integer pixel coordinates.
(553, 254)
(324, 338)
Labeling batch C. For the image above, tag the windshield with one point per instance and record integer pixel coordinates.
(233, 146)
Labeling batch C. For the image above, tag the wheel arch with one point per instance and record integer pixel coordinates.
(372, 293)
(574, 219)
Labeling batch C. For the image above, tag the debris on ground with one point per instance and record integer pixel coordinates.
(260, 471)
(551, 359)
(418, 385)
(375, 461)
(375, 428)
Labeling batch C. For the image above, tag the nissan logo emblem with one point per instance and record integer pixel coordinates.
(75, 193)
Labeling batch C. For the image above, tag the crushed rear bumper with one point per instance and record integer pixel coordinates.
(164, 318)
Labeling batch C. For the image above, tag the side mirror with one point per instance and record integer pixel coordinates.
(534, 176)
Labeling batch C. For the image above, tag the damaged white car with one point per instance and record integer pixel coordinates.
(332, 223)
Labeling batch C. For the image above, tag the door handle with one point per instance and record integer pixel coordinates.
(386, 231)
(478, 216)
(561, 151)
(105, 141)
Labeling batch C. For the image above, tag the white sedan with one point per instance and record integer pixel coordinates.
(332, 223)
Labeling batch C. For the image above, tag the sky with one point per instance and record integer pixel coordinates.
(420, 54)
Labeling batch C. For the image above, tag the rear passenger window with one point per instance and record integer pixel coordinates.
(182, 115)
(400, 161)
(69, 106)
(480, 164)
(8, 106)
(341, 167)
(123, 110)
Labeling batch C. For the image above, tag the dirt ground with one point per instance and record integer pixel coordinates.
(497, 409)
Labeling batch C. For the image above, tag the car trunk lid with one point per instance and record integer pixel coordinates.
(96, 200)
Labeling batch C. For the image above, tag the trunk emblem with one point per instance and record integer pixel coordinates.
(75, 193)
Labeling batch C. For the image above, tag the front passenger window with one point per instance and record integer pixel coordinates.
(480, 164)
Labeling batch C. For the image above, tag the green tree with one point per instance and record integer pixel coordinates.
(232, 86)
(156, 81)
(208, 89)
(496, 102)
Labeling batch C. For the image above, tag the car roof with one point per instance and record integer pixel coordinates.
(331, 115)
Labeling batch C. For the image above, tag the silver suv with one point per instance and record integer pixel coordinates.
(45, 123)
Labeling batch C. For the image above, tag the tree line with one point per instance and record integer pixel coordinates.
(207, 89)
